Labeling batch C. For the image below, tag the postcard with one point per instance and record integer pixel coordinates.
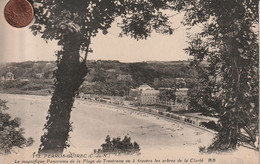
(129, 81)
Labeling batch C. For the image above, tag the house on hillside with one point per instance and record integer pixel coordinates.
(39, 75)
(8, 76)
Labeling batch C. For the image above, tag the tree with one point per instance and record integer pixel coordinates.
(228, 41)
(11, 135)
(73, 24)
(164, 83)
(229, 44)
(199, 94)
(167, 95)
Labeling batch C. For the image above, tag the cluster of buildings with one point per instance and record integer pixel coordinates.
(146, 95)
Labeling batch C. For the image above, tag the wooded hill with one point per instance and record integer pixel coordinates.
(104, 77)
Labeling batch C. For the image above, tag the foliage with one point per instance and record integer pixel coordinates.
(229, 85)
(38, 84)
(28, 69)
(11, 135)
(13, 84)
(157, 74)
(199, 95)
(112, 88)
(55, 19)
(164, 82)
(167, 95)
(117, 146)
(74, 24)
(228, 41)
(211, 125)
(35, 86)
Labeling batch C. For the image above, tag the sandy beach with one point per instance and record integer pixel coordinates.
(92, 122)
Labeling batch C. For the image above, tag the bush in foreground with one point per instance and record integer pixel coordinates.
(117, 146)
(11, 135)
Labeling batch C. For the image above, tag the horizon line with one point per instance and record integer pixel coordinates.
(145, 61)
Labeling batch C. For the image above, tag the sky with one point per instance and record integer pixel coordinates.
(19, 44)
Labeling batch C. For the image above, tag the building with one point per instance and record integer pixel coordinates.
(39, 75)
(124, 77)
(133, 93)
(181, 94)
(181, 97)
(147, 95)
(181, 82)
(8, 76)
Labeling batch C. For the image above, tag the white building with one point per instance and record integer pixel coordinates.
(147, 95)
(9, 76)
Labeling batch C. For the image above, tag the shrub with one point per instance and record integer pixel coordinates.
(14, 84)
(188, 120)
(117, 146)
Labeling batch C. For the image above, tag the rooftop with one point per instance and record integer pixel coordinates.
(145, 87)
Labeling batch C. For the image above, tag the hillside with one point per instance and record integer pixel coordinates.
(104, 77)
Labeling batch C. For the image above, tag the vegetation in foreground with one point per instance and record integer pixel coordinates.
(117, 146)
(11, 135)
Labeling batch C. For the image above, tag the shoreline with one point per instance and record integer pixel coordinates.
(92, 121)
(130, 108)
(152, 114)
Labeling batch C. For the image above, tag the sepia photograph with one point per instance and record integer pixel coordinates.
(129, 81)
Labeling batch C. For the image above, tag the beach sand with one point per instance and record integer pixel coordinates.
(92, 122)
